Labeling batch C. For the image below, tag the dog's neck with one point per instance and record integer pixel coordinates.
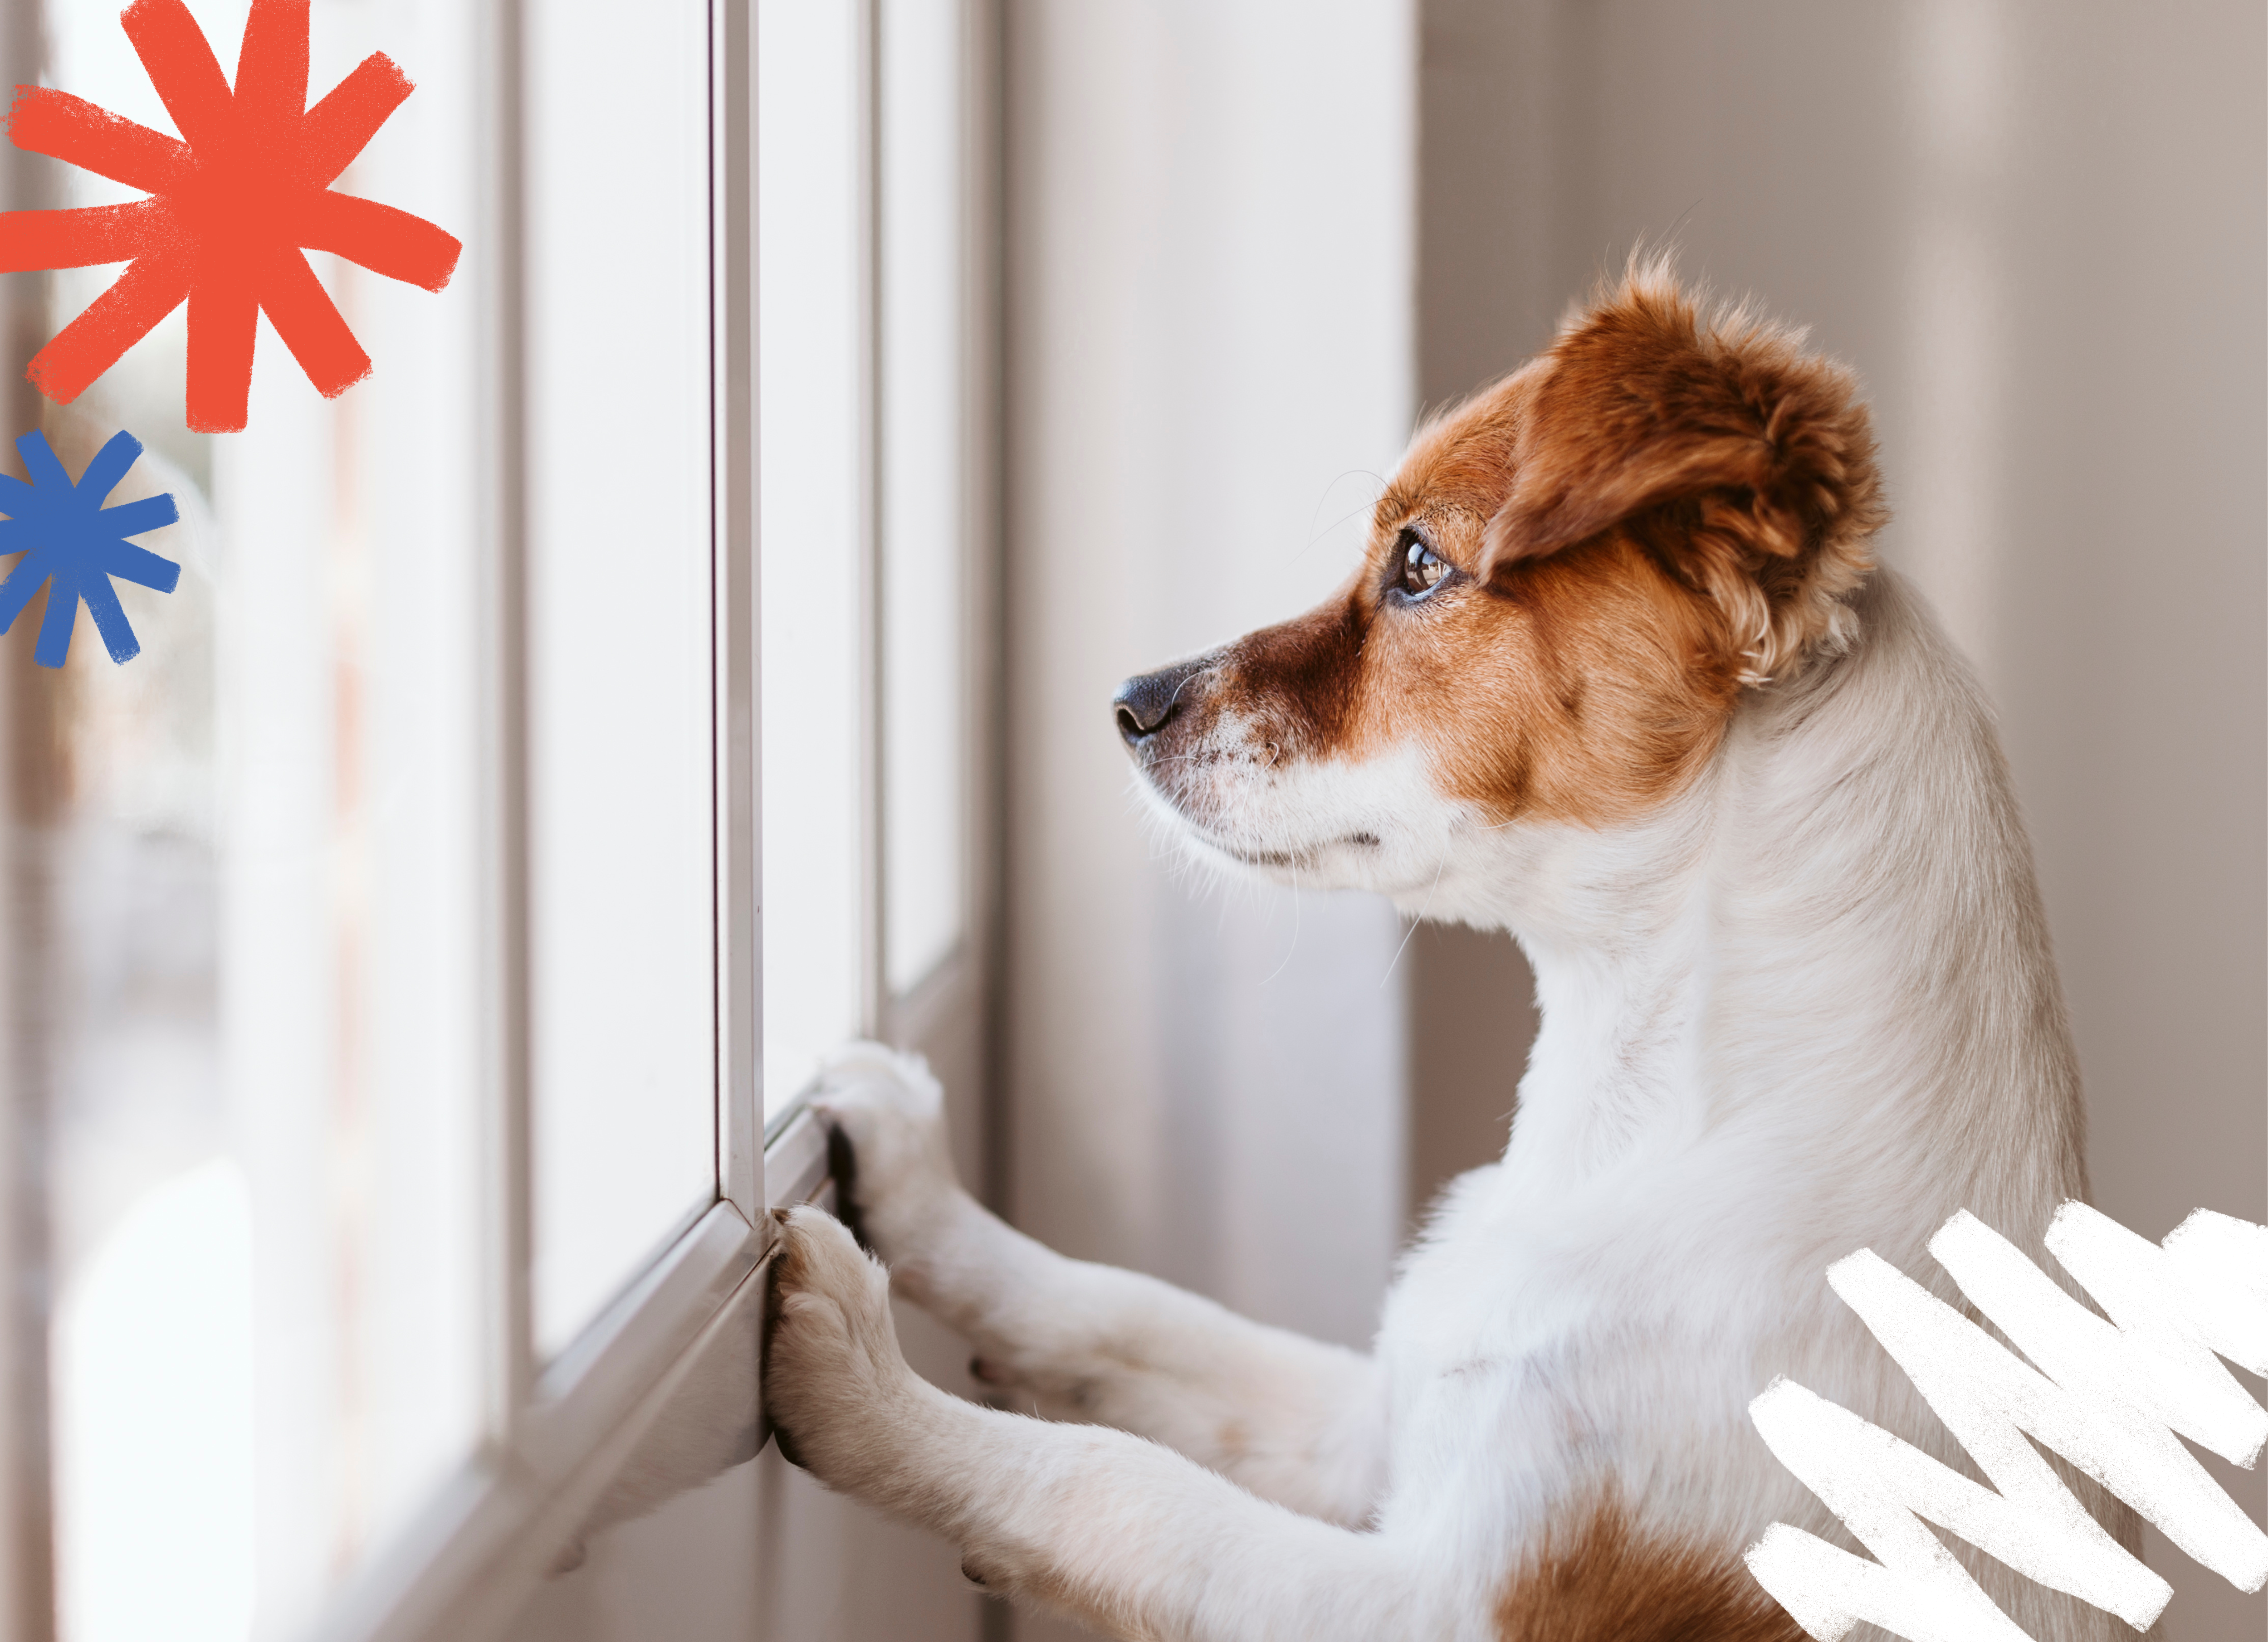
(1831, 943)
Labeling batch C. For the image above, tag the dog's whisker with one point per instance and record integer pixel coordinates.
(1294, 946)
(1411, 932)
(1314, 535)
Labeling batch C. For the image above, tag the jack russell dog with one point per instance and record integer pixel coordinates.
(1617, 674)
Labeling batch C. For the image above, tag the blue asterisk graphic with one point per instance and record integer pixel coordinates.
(67, 537)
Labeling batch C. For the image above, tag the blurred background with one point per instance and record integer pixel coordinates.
(1089, 330)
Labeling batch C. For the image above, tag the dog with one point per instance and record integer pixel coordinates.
(1618, 674)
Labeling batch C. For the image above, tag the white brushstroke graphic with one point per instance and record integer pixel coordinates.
(2109, 1397)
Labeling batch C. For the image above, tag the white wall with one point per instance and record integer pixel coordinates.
(1209, 367)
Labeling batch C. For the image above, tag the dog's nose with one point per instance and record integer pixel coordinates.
(1144, 705)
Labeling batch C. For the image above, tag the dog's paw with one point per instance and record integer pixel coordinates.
(898, 1178)
(837, 1387)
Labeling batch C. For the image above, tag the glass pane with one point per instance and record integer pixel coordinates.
(255, 914)
(620, 791)
(925, 706)
(812, 525)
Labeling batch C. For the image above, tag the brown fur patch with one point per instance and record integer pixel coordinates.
(1604, 1584)
(1587, 688)
(1749, 464)
(1657, 512)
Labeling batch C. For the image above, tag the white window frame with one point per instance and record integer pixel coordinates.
(558, 1433)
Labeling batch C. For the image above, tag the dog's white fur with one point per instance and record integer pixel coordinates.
(1804, 1006)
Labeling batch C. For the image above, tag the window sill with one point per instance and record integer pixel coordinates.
(679, 1345)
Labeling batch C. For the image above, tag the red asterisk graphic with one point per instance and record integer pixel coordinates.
(230, 209)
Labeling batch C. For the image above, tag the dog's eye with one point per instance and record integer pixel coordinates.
(1422, 568)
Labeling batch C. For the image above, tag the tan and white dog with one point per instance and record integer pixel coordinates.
(1618, 675)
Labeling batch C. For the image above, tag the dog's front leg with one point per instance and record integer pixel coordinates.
(1290, 1420)
(1130, 1539)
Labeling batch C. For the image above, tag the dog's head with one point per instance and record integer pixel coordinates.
(1569, 584)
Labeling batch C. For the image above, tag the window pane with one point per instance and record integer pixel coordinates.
(924, 708)
(813, 527)
(618, 553)
(257, 917)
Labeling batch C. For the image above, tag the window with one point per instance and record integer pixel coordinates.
(263, 1086)
(416, 995)
(619, 664)
(926, 404)
(816, 530)
(864, 461)
(383, 900)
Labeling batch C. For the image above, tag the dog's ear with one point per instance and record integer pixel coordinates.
(1746, 464)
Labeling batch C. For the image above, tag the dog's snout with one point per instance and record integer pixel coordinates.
(1144, 705)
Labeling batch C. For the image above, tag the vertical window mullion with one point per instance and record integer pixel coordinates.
(871, 522)
(739, 848)
(27, 1547)
(509, 1167)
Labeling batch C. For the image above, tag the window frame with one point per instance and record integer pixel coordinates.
(557, 1432)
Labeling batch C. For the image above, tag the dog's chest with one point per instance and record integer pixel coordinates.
(1530, 1355)
(1481, 1303)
